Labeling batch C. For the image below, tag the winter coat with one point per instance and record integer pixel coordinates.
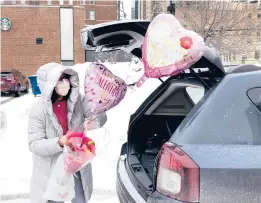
(44, 129)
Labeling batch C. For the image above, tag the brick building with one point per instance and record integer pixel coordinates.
(48, 31)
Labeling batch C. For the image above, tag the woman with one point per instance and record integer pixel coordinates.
(59, 109)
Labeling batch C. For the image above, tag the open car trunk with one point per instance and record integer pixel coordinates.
(153, 125)
(157, 119)
(163, 111)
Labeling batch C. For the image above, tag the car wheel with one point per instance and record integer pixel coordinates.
(18, 91)
(27, 88)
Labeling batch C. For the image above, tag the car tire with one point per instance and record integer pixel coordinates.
(27, 88)
(17, 93)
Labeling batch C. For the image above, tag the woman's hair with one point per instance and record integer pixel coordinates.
(55, 96)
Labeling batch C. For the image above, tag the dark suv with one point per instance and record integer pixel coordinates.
(180, 149)
(14, 82)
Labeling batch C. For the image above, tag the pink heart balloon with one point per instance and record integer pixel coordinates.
(169, 48)
(103, 90)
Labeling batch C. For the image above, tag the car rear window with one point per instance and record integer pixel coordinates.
(223, 117)
(255, 96)
(195, 93)
(5, 74)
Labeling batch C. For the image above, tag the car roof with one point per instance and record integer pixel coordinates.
(243, 69)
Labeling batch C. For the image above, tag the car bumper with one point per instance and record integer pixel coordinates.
(7, 89)
(157, 197)
(126, 191)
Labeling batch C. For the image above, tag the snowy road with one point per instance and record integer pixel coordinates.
(16, 162)
(6, 98)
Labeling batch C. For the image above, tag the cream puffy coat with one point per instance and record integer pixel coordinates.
(44, 129)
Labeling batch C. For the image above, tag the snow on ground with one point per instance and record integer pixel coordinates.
(15, 157)
(3, 98)
(16, 161)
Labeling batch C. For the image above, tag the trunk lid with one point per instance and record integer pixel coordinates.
(117, 35)
(128, 36)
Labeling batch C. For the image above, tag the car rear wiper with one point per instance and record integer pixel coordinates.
(199, 78)
(161, 80)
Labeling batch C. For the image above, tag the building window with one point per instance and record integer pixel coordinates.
(36, 2)
(249, 16)
(259, 15)
(39, 40)
(61, 2)
(92, 15)
(83, 2)
(7, 2)
(92, 2)
(70, 2)
(49, 2)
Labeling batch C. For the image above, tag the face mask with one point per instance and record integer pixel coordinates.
(63, 87)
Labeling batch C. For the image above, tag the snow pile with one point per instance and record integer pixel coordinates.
(16, 161)
(15, 172)
(2, 121)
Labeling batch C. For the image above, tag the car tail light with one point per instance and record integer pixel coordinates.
(10, 77)
(178, 175)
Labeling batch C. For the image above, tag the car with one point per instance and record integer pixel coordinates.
(184, 149)
(14, 82)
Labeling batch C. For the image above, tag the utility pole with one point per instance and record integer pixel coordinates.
(119, 9)
(172, 7)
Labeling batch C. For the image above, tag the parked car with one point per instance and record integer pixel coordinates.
(14, 82)
(184, 150)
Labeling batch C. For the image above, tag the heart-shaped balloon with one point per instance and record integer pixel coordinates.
(169, 48)
(103, 90)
